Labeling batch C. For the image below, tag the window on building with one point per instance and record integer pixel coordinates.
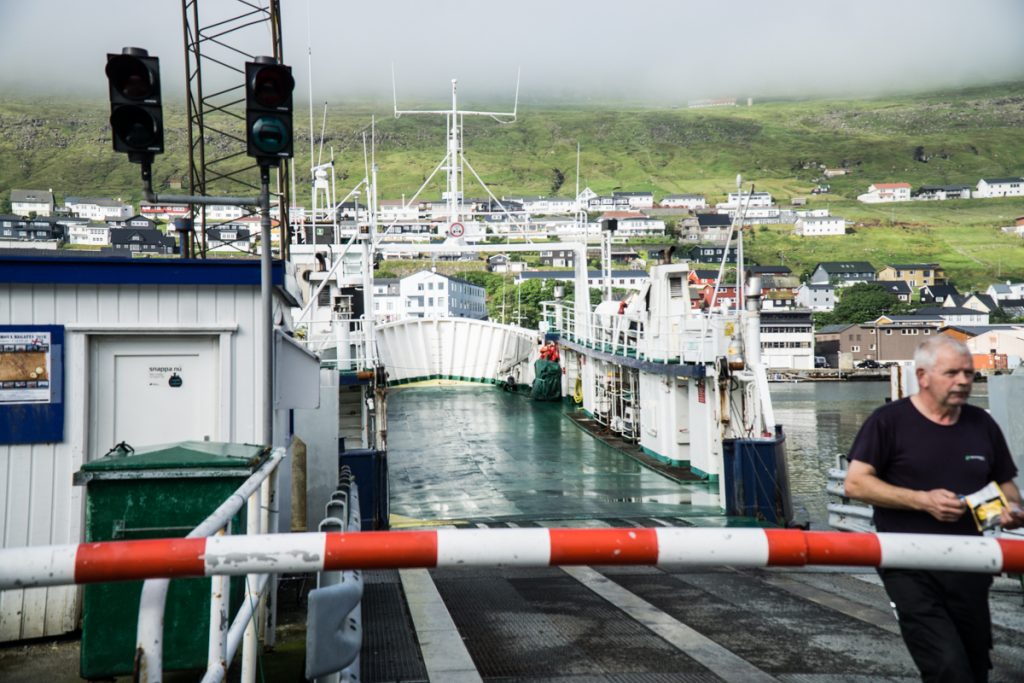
(855, 349)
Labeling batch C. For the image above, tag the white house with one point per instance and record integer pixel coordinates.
(1000, 187)
(818, 226)
(1007, 340)
(98, 209)
(621, 279)
(886, 192)
(1009, 290)
(752, 200)
(636, 200)
(26, 202)
(395, 211)
(91, 234)
(816, 297)
(432, 295)
(684, 201)
(635, 224)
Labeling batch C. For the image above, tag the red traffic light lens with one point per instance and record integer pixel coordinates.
(131, 77)
(272, 86)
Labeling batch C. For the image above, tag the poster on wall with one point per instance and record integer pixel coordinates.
(31, 384)
(25, 367)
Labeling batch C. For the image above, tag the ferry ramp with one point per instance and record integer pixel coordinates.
(478, 457)
(463, 349)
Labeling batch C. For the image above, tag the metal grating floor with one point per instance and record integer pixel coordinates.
(390, 651)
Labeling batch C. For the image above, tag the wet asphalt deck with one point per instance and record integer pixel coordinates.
(477, 457)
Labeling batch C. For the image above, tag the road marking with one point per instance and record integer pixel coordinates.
(876, 617)
(720, 661)
(444, 654)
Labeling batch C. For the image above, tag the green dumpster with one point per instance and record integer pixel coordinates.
(157, 492)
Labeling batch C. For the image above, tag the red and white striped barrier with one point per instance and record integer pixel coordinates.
(312, 552)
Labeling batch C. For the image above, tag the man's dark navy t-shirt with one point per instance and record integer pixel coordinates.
(909, 450)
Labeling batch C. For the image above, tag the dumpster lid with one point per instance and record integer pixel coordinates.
(184, 455)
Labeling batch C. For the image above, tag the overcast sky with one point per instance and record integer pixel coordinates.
(661, 51)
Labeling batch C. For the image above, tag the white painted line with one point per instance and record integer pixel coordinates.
(444, 653)
(709, 546)
(720, 661)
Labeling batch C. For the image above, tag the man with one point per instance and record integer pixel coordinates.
(914, 459)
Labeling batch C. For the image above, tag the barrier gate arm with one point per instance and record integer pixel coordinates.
(314, 552)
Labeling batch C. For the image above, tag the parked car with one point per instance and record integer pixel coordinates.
(869, 364)
(820, 362)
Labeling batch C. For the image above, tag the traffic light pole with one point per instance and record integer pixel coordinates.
(266, 286)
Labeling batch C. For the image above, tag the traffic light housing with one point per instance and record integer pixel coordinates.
(136, 112)
(268, 111)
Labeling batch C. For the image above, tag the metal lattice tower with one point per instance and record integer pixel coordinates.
(217, 39)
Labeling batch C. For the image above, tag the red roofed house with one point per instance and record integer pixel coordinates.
(886, 192)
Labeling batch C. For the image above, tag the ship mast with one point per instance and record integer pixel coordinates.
(454, 161)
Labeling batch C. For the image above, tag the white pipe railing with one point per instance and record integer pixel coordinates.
(260, 486)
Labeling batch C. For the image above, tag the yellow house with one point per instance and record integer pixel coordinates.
(916, 275)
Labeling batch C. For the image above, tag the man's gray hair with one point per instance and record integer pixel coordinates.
(924, 356)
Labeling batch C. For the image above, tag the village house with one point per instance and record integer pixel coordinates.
(635, 224)
(427, 294)
(89, 234)
(636, 200)
(711, 254)
(842, 273)
(98, 209)
(973, 300)
(43, 232)
(898, 288)
(606, 203)
(957, 315)
(620, 279)
(1001, 291)
(706, 227)
(886, 192)
(818, 298)
(819, 226)
(943, 192)
(28, 202)
(684, 201)
(136, 221)
(142, 241)
(916, 275)
(558, 258)
(229, 238)
(937, 294)
(999, 187)
(887, 339)
(750, 200)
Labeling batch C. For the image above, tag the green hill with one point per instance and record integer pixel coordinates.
(948, 137)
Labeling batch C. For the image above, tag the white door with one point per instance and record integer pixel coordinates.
(149, 390)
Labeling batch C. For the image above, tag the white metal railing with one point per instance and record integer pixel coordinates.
(349, 336)
(690, 336)
(259, 494)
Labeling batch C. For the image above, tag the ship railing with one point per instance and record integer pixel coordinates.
(259, 494)
(346, 336)
(665, 339)
(845, 513)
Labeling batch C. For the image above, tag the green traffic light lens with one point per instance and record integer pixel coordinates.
(131, 77)
(135, 127)
(270, 135)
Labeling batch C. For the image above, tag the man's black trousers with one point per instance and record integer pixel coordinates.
(945, 622)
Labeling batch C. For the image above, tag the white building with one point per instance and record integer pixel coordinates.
(751, 200)
(886, 192)
(1000, 187)
(1007, 340)
(684, 201)
(636, 200)
(152, 320)
(787, 340)
(98, 209)
(432, 295)
(1008, 290)
(816, 298)
(26, 202)
(819, 226)
(395, 211)
(91, 234)
(621, 279)
(163, 212)
(635, 224)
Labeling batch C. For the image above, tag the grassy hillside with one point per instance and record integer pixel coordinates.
(949, 137)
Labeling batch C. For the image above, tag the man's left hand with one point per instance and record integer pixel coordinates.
(1012, 517)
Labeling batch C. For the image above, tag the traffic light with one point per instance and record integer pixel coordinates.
(136, 114)
(268, 110)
